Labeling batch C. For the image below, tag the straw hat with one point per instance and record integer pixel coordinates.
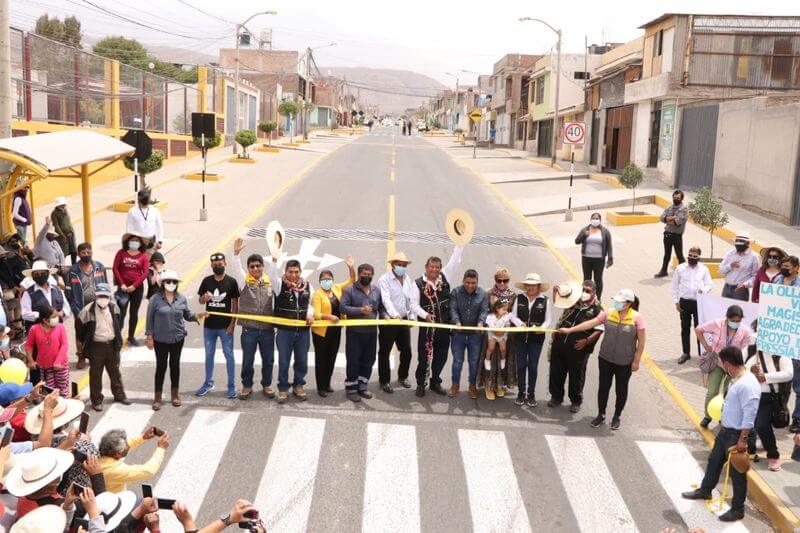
(532, 278)
(743, 236)
(65, 412)
(275, 239)
(145, 240)
(115, 507)
(37, 266)
(60, 200)
(36, 470)
(566, 294)
(460, 226)
(399, 257)
(44, 519)
(740, 461)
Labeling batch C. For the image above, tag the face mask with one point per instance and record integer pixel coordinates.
(365, 280)
(741, 247)
(676, 202)
(40, 278)
(773, 262)
(53, 322)
(692, 260)
(326, 284)
(170, 286)
(619, 306)
(86, 259)
(785, 272)
(134, 245)
(144, 200)
(734, 325)
(5, 343)
(595, 222)
(399, 270)
(102, 303)
(218, 269)
(586, 296)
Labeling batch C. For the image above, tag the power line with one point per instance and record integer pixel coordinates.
(206, 12)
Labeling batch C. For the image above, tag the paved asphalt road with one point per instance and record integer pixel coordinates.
(397, 462)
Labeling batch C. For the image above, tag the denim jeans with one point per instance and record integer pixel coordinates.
(264, 341)
(292, 341)
(472, 344)
(528, 353)
(210, 337)
(796, 389)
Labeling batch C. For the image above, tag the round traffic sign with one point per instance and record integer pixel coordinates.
(574, 132)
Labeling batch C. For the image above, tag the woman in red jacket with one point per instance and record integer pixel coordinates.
(131, 265)
(771, 259)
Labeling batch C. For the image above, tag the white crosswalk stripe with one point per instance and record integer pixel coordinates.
(595, 499)
(132, 418)
(284, 494)
(391, 462)
(676, 469)
(494, 497)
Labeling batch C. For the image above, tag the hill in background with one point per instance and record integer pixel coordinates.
(399, 89)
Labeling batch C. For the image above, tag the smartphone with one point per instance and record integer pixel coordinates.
(84, 423)
(80, 522)
(252, 514)
(77, 488)
(46, 390)
(157, 432)
(79, 456)
(7, 436)
(147, 491)
(166, 503)
(73, 388)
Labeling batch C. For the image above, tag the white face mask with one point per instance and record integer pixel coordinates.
(170, 286)
(102, 303)
(585, 296)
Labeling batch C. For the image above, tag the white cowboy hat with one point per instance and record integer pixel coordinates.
(44, 519)
(743, 236)
(532, 278)
(37, 266)
(169, 275)
(60, 200)
(36, 470)
(460, 226)
(400, 257)
(145, 240)
(625, 295)
(275, 238)
(115, 507)
(566, 294)
(66, 411)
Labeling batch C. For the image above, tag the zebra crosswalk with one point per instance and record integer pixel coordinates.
(286, 473)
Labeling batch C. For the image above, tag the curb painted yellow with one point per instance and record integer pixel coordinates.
(303, 142)
(268, 149)
(246, 161)
(624, 219)
(124, 207)
(759, 491)
(291, 144)
(197, 176)
(713, 267)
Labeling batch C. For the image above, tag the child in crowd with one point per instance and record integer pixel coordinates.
(499, 317)
(157, 264)
(48, 337)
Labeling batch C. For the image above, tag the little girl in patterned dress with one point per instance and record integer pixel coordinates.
(48, 337)
(499, 317)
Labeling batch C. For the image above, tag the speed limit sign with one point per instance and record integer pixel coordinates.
(574, 132)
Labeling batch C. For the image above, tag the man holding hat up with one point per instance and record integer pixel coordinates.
(531, 308)
(46, 246)
(739, 267)
(396, 287)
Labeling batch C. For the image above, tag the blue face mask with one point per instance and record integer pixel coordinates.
(734, 325)
(326, 284)
(399, 270)
(595, 222)
(619, 306)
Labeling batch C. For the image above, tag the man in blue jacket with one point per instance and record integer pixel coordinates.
(469, 306)
(82, 281)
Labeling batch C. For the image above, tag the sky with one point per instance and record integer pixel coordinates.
(443, 39)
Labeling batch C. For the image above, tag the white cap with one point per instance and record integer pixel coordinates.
(60, 200)
(625, 295)
(743, 236)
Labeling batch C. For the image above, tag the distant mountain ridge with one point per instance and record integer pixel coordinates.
(401, 89)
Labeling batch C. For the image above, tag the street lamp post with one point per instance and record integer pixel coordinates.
(236, 68)
(453, 124)
(556, 124)
(307, 88)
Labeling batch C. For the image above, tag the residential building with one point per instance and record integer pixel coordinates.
(508, 75)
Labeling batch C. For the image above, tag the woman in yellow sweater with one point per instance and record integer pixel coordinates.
(325, 302)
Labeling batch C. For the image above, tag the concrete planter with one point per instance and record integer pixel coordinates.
(631, 219)
(268, 149)
(712, 264)
(198, 176)
(246, 161)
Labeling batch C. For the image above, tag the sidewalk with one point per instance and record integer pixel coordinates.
(637, 256)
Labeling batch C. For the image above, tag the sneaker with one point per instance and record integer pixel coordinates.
(598, 421)
(520, 399)
(683, 358)
(387, 388)
(553, 403)
(300, 392)
(268, 391)
(353, 397)
(532, 401)
(774, 465)
(205, 389)
(489, 394)
(283, 396)
(232, 394)
(615, 423)
(367, 395)
(574, 408)
(404, 383)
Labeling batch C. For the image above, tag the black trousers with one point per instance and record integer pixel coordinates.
(593, 269)
(567, 362)
(325, 350)
(763, 427)
(168, 354)
(388, 336)
(104, 357)
(716, 462)
(441, 347)
(134, 302)
(672, 240)
(688, 313)
(620, 375)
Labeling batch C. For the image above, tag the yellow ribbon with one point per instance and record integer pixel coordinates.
(278, 321)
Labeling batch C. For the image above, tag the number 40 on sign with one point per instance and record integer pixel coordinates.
(574, 133)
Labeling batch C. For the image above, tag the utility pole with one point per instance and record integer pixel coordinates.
(556, 122)
(236, 90)
(5, 71)
(306, 94)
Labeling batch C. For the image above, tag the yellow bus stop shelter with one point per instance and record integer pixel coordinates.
(62, 154)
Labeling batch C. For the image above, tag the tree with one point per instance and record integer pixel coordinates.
(245, 138)
(151, 164)
(631, 178)
(210, 143)
(67, 31)
(268, 126)
(131, 52)
(706, 210)
(287, 108)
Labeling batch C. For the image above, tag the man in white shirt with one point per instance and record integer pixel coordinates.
(430, 300)
(144, 219)
(739, 268)
(396, 287)
(689, 280)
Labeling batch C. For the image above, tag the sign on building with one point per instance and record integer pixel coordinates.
(574, 133)
(666, 132)
(779, 320)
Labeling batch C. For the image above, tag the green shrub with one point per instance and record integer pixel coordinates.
(706, 210)
(245, 138)
(631, 178)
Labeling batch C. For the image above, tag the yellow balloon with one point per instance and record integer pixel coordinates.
(13, 371)
(715, 407)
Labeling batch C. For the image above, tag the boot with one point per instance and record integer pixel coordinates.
(176, 401)
(157, 401)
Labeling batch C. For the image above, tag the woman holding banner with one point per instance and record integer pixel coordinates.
(771, 259)
(714, 336)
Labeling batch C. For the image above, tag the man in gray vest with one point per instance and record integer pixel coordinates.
(255, 298)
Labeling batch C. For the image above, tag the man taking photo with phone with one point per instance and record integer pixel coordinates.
(115, 446)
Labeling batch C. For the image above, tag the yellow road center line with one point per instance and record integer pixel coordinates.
(391, 175)
(390, 243)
